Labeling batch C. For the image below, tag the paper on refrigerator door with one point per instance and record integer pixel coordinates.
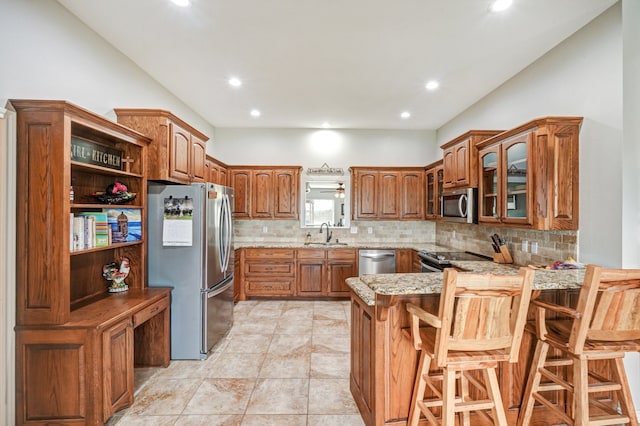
(177, 225)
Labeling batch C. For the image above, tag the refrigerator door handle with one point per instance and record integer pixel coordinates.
(226, 213)
(220, 289)
(221, 235)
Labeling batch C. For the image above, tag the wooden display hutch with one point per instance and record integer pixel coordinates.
(76, 343)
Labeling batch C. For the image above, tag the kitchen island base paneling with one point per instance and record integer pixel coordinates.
(383, 361)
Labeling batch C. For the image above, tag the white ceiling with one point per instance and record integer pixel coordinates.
(351, 63)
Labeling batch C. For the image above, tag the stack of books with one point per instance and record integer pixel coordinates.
(101, 228)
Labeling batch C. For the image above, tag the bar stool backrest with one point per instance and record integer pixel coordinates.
(482, 312)
(608, 307)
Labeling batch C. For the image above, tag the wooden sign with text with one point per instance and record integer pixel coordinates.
(87, 152)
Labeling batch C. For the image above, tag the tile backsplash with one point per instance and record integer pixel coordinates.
(552, 245)
(289, 231)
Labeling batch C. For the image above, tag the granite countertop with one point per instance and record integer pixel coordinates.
(367, 286)
(356, 245)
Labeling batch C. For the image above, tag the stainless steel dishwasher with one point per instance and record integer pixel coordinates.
(376, 262)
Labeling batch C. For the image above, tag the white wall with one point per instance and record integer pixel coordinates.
(313, 147)
(47, 53)
(631, 135)
(582, 76)
(7, 266)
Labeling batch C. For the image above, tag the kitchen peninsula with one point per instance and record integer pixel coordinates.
(383, 360)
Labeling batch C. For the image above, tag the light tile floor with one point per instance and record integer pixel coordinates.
(283, 363)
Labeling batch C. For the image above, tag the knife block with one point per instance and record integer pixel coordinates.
(504, 256)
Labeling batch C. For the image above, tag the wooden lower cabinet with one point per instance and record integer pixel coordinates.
(362, 366)
(236, 276)
(267, 272)
(383, 362)
(117, 367)
(311, 273)
(322, 272)
(304, 273)
(55, 379)
(339, 269)
(404, 260)
(81, 372)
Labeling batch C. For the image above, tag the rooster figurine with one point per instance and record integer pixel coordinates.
(117, 274)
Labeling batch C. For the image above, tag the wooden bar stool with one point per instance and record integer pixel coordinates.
(480, 323)
(604, 325)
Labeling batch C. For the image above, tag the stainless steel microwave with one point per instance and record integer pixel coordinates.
(460, 205)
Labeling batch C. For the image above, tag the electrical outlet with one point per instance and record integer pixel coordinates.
(534, 247)
(525, 246)
(370, 230)
(354, 229)
(265, 229)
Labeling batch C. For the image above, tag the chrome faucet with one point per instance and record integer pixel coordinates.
(329, 233)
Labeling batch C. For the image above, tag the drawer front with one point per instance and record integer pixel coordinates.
(269, 287)
(263, 268)
(311, 253)
(268, 254)
(349, 254)
(151, 310)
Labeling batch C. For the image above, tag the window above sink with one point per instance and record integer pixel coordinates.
(325, 200)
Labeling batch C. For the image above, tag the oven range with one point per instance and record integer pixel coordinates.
(437, 261)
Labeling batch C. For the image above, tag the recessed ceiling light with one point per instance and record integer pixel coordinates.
(235, 82)
(255, 113)
(183, 3)
(405, 115)
(432, 85)
(500, 5)
(325, 125)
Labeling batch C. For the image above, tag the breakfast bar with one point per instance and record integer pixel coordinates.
(383, 359)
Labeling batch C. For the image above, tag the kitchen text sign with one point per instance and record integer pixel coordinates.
(92, 153)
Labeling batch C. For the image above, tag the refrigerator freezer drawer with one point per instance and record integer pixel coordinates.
(217, 305)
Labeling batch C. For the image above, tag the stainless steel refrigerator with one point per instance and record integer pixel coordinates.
(190, 248)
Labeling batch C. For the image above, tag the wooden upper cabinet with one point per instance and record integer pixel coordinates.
(180, 147)
(387, 193)
(434, 180)
(240, 180)
(198, 156)
(178, 151)
(529, 175)
(412, 194)
(263, 192)
(460, 159)
(285, 202)
(390, 193)
(215, 171)
(365, 194)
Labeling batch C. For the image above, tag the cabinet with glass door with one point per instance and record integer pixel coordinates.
(533, 164)
(434, 181)
(504, 183)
